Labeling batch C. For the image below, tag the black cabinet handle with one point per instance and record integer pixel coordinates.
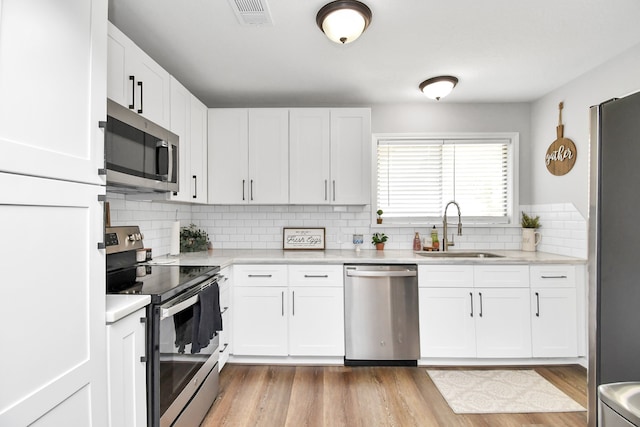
(293, 303)
(325, 189)
(537, 304)
(141, 98)
(251, 190)
(480, 295)
(225, 347)
(133, 92)
(471, 298)
(334, 190)
(243, 182)
(195, 187)
(554, 277)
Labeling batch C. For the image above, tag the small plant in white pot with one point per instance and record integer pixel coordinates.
(530, 237)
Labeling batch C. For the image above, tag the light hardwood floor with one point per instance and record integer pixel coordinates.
(273, 396)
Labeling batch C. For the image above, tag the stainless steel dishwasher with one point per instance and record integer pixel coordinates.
(381, 314)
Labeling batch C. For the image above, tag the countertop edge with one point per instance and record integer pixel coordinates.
(120, 306)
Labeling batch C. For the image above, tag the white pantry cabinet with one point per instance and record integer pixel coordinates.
(52, 96)
(329, 155)
(52, 89)
(189, 122)
(474, 311)
(554, 311)
(281, 310)
(136, 81)
(126, 349)
(248, 156)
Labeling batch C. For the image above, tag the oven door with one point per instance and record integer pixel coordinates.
(183, 372)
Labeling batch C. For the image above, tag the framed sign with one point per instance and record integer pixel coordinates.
(303, 238)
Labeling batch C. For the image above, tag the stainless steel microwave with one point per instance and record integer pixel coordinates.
(140, 155)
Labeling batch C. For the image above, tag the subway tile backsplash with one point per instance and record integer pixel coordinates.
(563, 230)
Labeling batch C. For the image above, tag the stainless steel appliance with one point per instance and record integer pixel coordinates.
(614, 235)
(182, 323)
(140, 155)
(381, 314)
(619, 405)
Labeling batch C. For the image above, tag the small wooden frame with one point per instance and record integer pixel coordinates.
(303, 239)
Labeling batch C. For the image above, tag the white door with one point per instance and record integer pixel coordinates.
(228, 154)
(316, 325)
(447, 322)
(52, 322)
(350, 155)
(260, 321)
(181, 126)
(198, 155)
(554, 325)
(53, 88)
(503, 325)
(268, 155)
(309, 155)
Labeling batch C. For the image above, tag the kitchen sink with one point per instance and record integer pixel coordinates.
(430, 254)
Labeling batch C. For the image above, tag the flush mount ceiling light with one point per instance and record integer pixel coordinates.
(438, 87)
(343, 21)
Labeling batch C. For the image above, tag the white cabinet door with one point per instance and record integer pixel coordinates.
(136, 81)
(53, 88)
(554, 322)
(198, 154)
(269, 155)
(260, 321)
(447, 322)
(503, 325)
(53, 363)
(309, 155)
(228, 154)
(350, 155)
(181, 126)
(126, 348)
(316, 326)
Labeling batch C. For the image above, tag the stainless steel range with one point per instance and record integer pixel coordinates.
(182, 323)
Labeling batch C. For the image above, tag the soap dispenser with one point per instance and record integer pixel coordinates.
(435, 243)
(417, 244)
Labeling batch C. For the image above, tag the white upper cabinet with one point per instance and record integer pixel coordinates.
(309, 155)
(136, 81)
(189, 122)
(350, 155)
(330, 155)
(248, 156)
(52, 89)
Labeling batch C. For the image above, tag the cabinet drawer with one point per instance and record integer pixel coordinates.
(501, 276)
(315, 275)
(445, 276)
(256, 275)
(553, 276)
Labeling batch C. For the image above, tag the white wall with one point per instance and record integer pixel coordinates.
(616, 78)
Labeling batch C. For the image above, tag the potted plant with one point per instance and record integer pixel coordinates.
(530, 237)
(193, 239)
(379, 219)
(378, 239)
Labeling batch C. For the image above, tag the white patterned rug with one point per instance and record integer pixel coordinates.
(500, 391)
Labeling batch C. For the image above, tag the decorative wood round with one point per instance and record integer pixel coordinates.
(562, 153)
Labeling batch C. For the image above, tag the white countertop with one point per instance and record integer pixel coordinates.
(119, 306)
(225, 257)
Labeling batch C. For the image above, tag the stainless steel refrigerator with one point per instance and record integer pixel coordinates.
(614, 245)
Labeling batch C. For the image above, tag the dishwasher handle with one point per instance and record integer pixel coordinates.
(366, 273)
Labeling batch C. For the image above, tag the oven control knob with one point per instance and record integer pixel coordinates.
(131, 237)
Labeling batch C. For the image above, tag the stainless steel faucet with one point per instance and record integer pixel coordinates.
(445, 240)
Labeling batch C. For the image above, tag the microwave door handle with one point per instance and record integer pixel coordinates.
(163, 172)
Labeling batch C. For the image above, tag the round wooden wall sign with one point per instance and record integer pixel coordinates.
(561, 154)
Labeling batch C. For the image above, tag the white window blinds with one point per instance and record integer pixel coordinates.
(416, 178)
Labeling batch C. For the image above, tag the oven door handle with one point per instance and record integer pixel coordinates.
(177, 307)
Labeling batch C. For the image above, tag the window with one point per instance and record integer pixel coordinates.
(418, 175)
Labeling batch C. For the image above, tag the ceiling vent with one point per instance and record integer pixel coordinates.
(251, 12)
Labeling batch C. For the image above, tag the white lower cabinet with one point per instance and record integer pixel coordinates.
(225, 284)
(460, 319)
(127, 371)
(281, 310)
(554, 317)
